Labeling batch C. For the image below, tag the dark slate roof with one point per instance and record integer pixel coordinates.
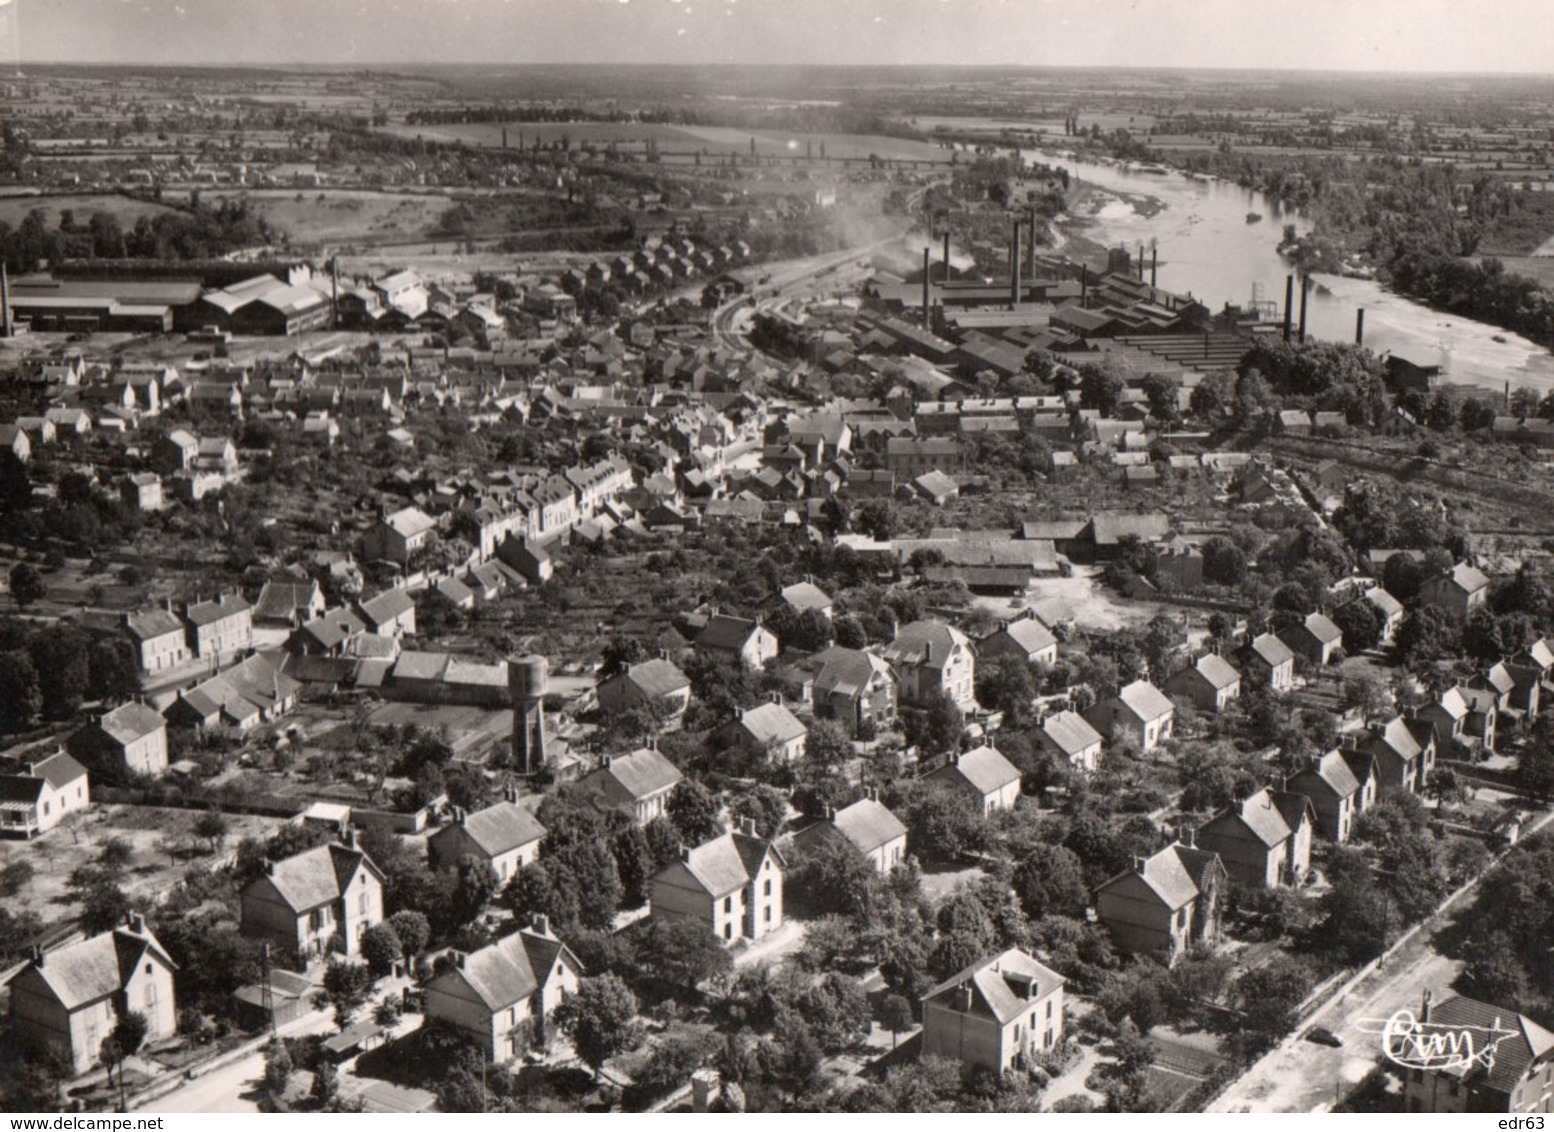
(726, 632)
(315, 877)
(656, 677)
(642, 773)
(129, 722)
(868, 824)
(95, 968)
(1526, 1045)
(504, 973)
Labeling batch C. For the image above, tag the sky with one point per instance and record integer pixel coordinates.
(1346, 35)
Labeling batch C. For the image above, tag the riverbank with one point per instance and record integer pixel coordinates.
(1093, 208)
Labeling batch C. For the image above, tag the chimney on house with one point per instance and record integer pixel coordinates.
(1427, 1007)
(539, 924)
(1139, 864)
(458, 959)
(872, 793)
(135, 922)
(747, 827)
(35, 953)
(350, 837)
(510, 792)
(685, 853)
(963, 998)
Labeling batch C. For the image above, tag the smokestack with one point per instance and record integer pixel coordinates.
(1289, 303)
(1154, 263)
(1014, 267)
(1305, 290)
(1084, 286)
(1141, 261)
(1359, 327)
(334, 292)
(927, 322)
(946, 277)
(5, 303)
(1030, 241)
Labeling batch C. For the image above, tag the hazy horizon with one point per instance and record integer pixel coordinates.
(1381, 37)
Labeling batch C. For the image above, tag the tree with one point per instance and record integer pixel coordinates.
(764, 805)
(413, 931)
(1535, 763)
(943, 822)
(828, 744)
(1006, 684)
(1268, 997)
(1426, 636)
(601, 1019)
(26, 585)
(694, 811)
(123, 1042)
(212, 827)
(1366, 693)
(345, 987)
(381, 949)
(1213, 775)
(103, 907)
(21, 699)
(277, 1066)
(936, 725)
(1361, 625)
(1224, 564)
(475, 882)
(683, 953)
(326, 1085)
(895, 1015)
(1050, 880)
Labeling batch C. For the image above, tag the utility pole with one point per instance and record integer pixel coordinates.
(267, 999)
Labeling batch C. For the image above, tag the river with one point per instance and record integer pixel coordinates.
(1207, 247)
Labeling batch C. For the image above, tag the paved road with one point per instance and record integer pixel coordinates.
(1301, 1076)
(235, 1088)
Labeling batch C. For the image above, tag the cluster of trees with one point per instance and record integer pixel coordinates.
(1504, 938)
(49, 673)
(193, 234)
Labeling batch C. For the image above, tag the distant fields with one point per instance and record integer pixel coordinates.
(13, 209)
(712, 139)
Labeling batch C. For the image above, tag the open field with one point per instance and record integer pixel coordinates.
(316, 215)
(14, 209)
(148, 829)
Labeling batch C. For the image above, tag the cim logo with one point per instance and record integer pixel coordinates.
(1414, 1044)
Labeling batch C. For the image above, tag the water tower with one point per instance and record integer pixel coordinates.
(527, 678)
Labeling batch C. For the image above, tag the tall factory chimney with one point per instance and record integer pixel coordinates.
(1084, 286)
(527, 680)
(946, 277)
(5, 303)
(1305, 290)
(1141, 261)
(1289, 303)
(334, 292)
(1154, 264)
(1014, 267)
(927, 314)
(1030, 241)
(1359, 327)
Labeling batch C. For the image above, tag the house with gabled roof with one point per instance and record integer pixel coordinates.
(288, 603)
(851, 686)
(1338, 793)
(388, 614)
(931, 657)
(1069, 735)
(67, 1000)
(1518, 1078)
(801, 597)
(1139, 710)
(1268, 661)
(503, 996)
(1002, 1012)
(1316, 638)
(983, 774)
(41, 793)
(505, 835)
(220, 628)
(768, 729)
(160, 639)
(399, 536)
(1264, 840)
(326, 635)
(1211, 683)
(1403, 751)
(657, 681)
(639, 783)
(131, 740)
(317, 903)
(867, 825)
(731, 884)
(1448, 714)
(738, 638)
(1456, 592)
(1164, 903)
(1025, 639)
(1389, 611)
